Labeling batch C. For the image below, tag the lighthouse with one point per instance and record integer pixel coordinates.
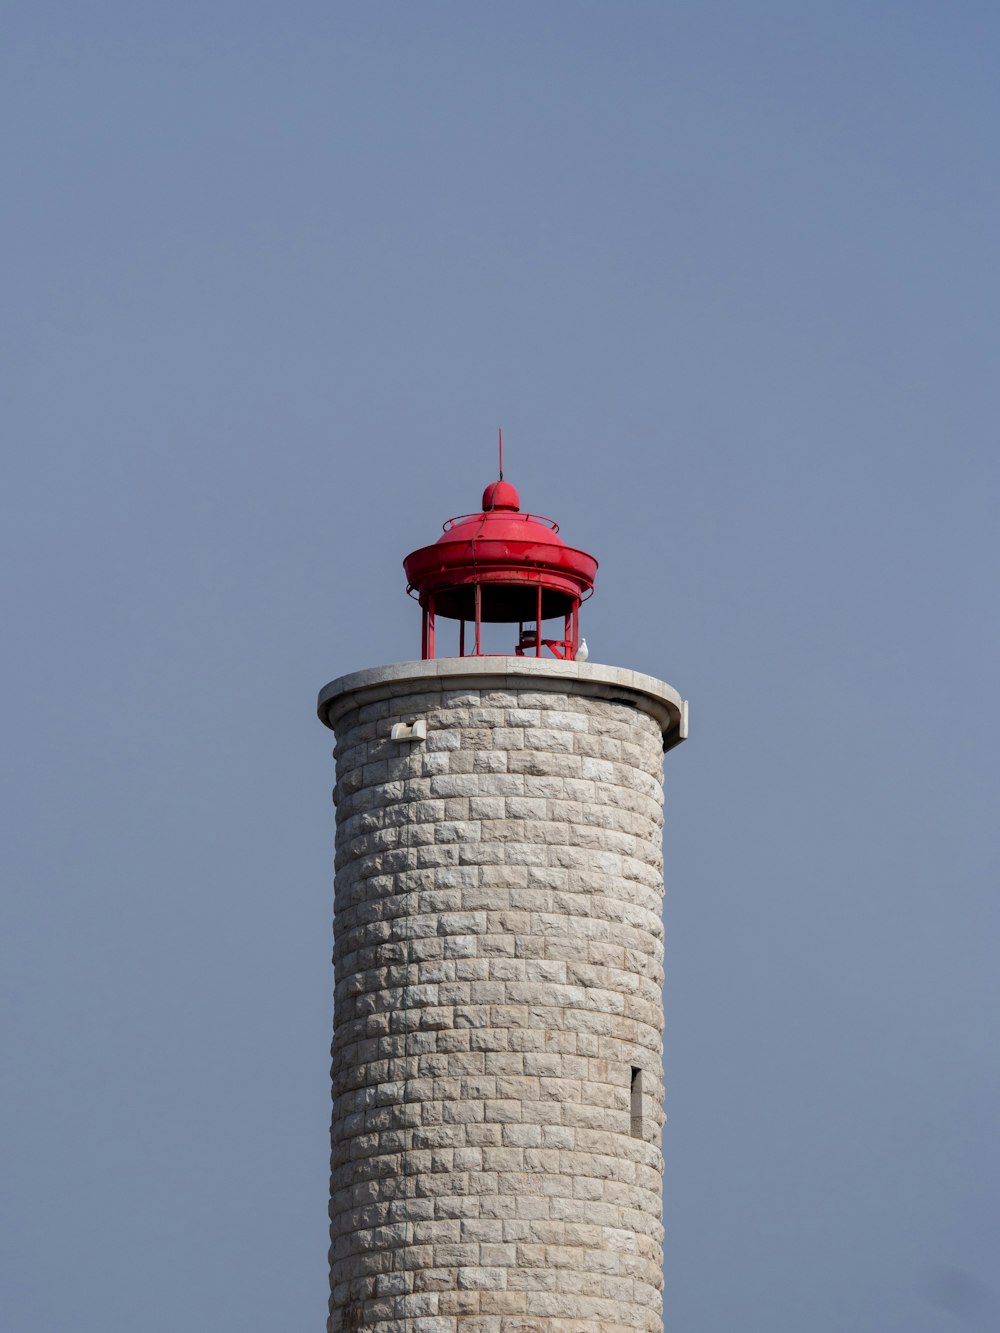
(496, 1160)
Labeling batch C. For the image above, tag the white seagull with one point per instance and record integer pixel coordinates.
(583, 652)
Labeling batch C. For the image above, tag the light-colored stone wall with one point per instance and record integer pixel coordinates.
(498, 955)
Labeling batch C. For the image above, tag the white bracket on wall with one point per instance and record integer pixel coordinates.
(409, 731)
(678, 732)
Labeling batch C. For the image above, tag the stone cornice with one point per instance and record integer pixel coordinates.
(661, 701)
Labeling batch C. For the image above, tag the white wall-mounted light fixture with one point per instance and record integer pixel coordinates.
(407, 731)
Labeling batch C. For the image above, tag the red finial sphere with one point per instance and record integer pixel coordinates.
(501, 495)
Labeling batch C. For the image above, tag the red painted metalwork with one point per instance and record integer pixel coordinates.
(502, 566)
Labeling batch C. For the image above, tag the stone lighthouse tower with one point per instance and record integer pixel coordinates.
(497, 1082)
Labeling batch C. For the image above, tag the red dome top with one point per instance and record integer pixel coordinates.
(508, 554)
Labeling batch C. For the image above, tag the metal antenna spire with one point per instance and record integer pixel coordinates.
(500, 434)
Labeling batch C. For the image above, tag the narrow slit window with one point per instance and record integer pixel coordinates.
(636, 1102)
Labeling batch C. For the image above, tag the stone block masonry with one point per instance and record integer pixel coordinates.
(497, 1084)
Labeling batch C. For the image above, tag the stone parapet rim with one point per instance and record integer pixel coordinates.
(596, 680)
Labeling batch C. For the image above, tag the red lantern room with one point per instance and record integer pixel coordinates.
(501, 566)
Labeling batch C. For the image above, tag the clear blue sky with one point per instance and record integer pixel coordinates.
(727, 276)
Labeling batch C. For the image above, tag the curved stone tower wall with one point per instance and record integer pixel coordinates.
(497, 1084)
